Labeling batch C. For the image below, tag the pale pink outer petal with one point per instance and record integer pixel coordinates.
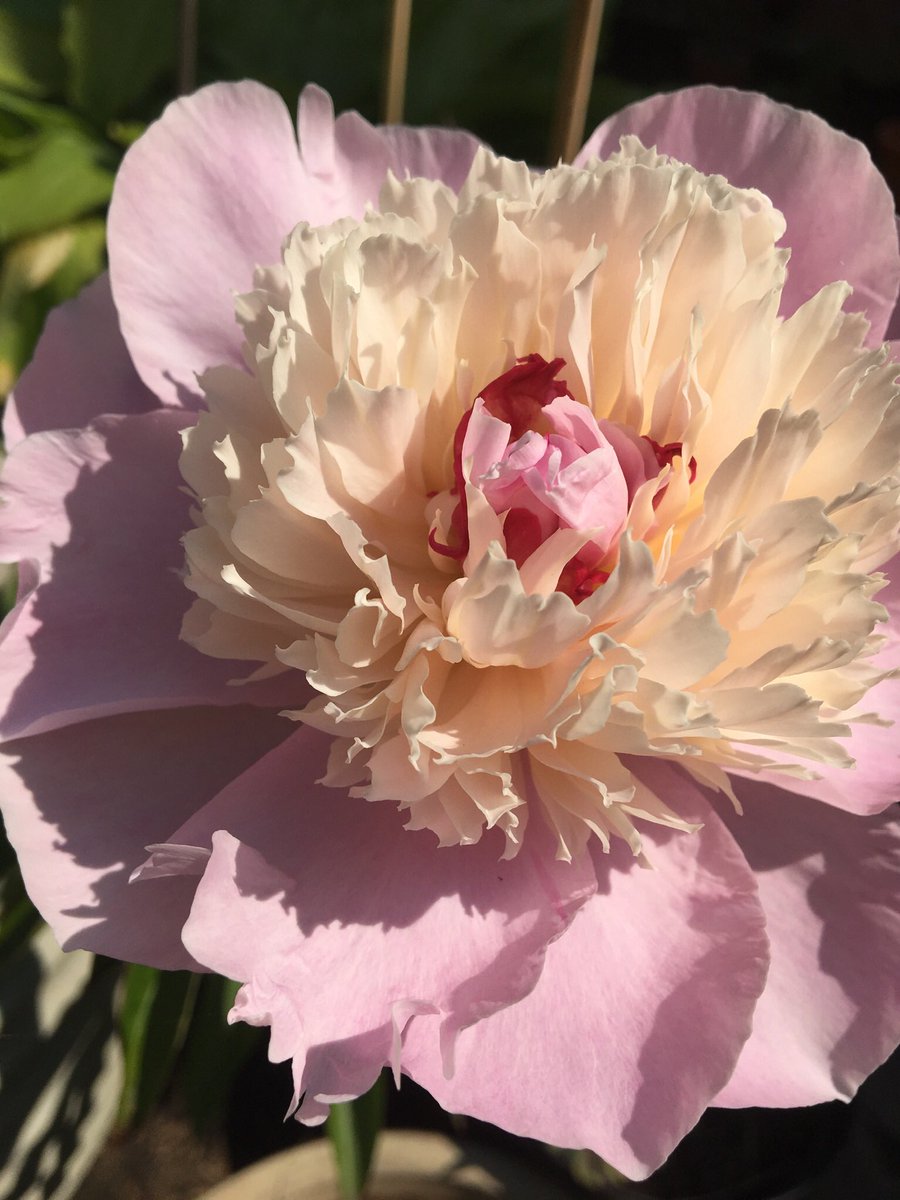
(889, 596)
(640, 1012)
(838, 208)
(873, 784)
(97, 516)
(204, 196)
(81, 804)
(830, 887)
(210, 192)
(80, 369)
(347, 159)
(431, 153)
(893, 330)
(344, 926)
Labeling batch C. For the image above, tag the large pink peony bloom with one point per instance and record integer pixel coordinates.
(549, 509)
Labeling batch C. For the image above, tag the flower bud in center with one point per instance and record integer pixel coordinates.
(542, 463)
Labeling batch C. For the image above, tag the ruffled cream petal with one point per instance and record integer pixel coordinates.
(733, 622)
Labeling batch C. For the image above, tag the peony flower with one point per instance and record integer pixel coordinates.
(482, 647)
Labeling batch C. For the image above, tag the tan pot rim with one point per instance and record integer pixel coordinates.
(409, 1165)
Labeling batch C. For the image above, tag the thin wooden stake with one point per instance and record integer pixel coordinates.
(187, 47)
(397, 61)
(579, 56)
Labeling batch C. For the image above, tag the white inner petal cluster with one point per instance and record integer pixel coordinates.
(737, 627)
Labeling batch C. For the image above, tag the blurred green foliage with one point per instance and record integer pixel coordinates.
(79, 80)
(353, 1128)
(116, 53)
(72, 75)
(155, 1012)
(19, 919)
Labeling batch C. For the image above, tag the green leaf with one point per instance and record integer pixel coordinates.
(125, 133)
(155, 1014)
(36, 275)
(35, 115)
(214, 1053)
(8, 590)
(18, 916)
(353, 1129)
(116, 52)
(30, 60)
(44, 12)
(65, 176)
(23, 121)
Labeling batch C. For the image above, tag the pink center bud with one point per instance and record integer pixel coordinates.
(543, 463)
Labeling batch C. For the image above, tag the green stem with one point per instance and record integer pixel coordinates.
(353, 1129)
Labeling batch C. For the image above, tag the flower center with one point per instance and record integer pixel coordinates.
(543, 463)
(531, 601)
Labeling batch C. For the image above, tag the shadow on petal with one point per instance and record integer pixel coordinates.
(101, 634)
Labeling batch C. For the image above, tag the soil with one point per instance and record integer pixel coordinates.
(162, 1160)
